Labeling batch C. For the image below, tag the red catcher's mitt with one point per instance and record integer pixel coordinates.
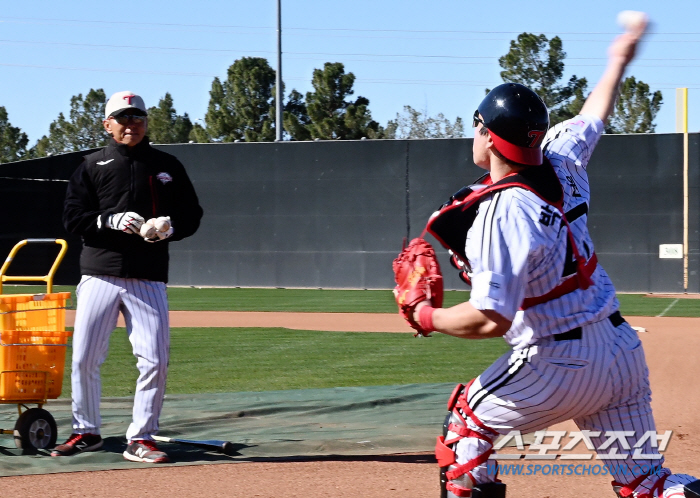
(418, 278)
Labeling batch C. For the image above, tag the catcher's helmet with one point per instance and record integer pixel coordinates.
(517, 120)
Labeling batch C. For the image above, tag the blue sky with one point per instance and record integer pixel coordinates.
(434, 56)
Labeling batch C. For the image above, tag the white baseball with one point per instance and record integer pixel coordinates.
(148, 231)
(631, 19)
(162, 225)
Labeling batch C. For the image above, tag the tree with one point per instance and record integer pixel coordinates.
(13, 141)
(331, 116)
(242, 107)
(296, 117)
(165, 126)
(84, 129)
(414, 124)
(635, 109)
(538, 63)
(199, 134)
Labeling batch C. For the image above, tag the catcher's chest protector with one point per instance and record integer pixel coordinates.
(451, 223)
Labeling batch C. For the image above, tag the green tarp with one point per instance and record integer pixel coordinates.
(377, 420)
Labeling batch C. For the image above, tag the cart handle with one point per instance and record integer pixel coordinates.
(48, 278)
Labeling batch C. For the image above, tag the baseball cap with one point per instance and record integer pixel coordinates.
(122, 101)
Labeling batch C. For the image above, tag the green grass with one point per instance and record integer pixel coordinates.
(263, 359)
(35, 289)
(308, 300)
(351, 301)
(639, 305)
(266, 299)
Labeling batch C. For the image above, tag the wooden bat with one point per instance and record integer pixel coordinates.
(225, 447)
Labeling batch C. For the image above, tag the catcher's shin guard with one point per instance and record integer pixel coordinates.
(661, 483)
(443, 470)
(456, 480)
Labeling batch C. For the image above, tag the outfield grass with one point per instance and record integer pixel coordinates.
(353, 301)
(371, 301)
(307, 300)
(639, 305)
(206, 360)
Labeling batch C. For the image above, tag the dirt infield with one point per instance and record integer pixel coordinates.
(670, 343)
(340, 322)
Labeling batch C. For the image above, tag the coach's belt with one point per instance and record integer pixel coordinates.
(575, 334)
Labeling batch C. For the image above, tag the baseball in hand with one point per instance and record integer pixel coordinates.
(162, 224)
(631, 20)
(148, 230)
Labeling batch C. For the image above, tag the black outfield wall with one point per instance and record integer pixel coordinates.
(334, 214)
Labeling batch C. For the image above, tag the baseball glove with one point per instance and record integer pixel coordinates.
(418, 278)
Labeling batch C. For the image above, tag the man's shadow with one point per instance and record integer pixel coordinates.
(179, 452)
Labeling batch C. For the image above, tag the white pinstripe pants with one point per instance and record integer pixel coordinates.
(144, 305)
(599, 381)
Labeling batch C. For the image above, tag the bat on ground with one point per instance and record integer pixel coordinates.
(225, 447)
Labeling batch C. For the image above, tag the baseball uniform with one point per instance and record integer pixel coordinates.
(123, 272)
(573, 357)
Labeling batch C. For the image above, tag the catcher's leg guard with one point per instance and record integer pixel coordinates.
(457, 480)
(443, 470)
(662, 484)
(644, 485)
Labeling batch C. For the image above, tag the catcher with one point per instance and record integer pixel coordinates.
(520, 236)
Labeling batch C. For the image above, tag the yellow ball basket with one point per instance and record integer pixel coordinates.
(33, 340)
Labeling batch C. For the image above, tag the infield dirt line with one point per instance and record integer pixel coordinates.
(335, 322)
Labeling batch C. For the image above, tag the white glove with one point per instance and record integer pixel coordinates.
(157, 229)
(128, 222)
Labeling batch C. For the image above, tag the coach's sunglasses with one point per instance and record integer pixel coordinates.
(477, 119)
(123, 119)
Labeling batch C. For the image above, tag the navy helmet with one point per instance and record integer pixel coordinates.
(517, 120)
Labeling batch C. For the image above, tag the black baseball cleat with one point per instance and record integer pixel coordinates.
(692, 490)
(78, 443)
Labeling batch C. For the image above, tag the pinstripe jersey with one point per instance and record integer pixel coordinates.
(517, 246)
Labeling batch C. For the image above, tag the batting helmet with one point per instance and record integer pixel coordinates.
(517, 120)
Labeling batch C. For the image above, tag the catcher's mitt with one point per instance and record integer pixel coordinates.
(418, 279)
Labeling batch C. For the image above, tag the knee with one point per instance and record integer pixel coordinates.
(86, 363)
(152, 365)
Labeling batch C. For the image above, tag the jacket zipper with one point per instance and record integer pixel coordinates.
(154, 196)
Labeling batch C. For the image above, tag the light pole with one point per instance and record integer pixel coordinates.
(280, 93)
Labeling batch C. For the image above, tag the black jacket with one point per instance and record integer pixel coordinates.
(117, 179)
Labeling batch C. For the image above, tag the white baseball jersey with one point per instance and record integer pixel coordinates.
(517, 246)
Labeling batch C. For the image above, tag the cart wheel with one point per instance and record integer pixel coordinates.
(35, 430)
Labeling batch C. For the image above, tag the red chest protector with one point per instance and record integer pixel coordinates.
(451, 223)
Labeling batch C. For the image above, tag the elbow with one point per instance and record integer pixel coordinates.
(469, 323)
(494, 325)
